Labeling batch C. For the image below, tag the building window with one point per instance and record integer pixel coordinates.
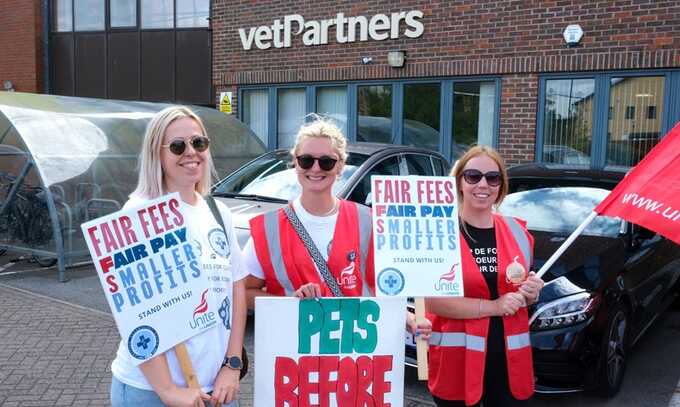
(651, 112)
(474, 115)
(374, 110)
(256, 112)
(193, 13)
(291, 115)
(331, 102)
(421, 115)
(631, 139)
(567, 121)
(633, 104)
(402, 112)
(63, 15)
(630, 112)
(157, 14)
(123, 13)
(89, 15)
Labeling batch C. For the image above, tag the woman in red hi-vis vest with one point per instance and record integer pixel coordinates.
(277, 258)
(480, 352)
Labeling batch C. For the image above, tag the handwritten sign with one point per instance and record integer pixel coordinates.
(329, 351)
(151, 275)
(416, 238)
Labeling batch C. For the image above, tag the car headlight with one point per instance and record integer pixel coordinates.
(564, 312)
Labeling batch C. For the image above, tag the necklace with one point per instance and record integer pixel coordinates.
(336, 203)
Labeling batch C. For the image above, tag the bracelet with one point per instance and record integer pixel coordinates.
(479, 309)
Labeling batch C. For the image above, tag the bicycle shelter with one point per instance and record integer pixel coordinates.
(67, 160)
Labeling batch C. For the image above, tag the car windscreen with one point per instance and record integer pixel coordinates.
(272, 175)
(560, 210)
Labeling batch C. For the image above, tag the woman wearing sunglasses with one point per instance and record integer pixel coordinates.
(338, 232)
(175, 157)
(480, 351)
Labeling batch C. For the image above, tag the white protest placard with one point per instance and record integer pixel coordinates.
(329, 351)
(151, 275)
(415, 236)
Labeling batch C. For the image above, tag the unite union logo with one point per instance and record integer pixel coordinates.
(446, 282)
(201, 318)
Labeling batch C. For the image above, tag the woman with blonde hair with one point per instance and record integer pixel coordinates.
(318, 245)
(175, 157)
(480, 350)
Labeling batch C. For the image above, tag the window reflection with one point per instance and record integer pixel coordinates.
(474, 114)
(63, 15)
(256, 112)
(193, 13)
(568, 123)
(89, 15)
(374, 107)
(331, 102)
(560, 210)
(291, 111)
(421, 115)
(635, 100)
(157, 14)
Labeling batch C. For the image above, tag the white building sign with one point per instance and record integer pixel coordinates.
(347, 29)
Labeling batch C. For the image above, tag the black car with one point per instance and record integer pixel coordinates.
(603, 292)
(269, 181)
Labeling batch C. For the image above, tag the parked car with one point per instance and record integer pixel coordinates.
(603, 292)
(269, 181)
(558, 154)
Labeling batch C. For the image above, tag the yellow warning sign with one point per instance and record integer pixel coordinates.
(225, 102)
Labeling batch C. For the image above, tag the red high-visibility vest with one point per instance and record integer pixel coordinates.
(458, 346)
(287, 264)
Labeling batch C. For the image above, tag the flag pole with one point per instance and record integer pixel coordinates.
(186, 366)
(421, 344)
(566, 244)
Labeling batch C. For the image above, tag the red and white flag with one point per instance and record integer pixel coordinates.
(650, 194)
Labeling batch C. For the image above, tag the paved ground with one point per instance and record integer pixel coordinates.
(57, 341)
(53, 353)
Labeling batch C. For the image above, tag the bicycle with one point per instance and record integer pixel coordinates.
(26, 218)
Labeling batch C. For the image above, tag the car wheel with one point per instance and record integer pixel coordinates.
(614, 351)
(45, 261)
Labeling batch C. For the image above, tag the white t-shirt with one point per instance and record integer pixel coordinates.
(222, 266)
(320, 229)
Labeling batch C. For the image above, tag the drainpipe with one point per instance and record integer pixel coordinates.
(46, 45)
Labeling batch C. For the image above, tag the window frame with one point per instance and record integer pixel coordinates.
(600, 119)
(445, 113)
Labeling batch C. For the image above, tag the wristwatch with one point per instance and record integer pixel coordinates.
(232, 362)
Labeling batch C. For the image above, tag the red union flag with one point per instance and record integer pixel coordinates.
(650, 194)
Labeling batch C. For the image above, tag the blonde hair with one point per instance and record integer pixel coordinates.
(322, 128)
(151, 181)
(475, 151)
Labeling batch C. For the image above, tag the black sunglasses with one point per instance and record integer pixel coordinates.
(198, 143)
(306, 161)
(493, 178)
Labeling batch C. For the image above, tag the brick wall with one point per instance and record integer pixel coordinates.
(516, 39)
(460, 38)
(21, 44)
(518, 117)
